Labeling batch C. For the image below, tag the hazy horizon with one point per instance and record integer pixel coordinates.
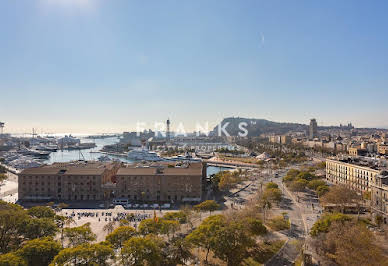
(102, 66)
(178, 126)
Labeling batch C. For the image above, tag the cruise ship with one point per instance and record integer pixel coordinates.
(143, 155)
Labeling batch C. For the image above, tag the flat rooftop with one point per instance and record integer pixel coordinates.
(161, 169)
(369, 162)
(71, 168)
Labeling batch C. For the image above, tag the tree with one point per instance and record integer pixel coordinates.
(273, 194)
(149, 226)
(291, 175)
(179, 216)
(208, 205)
(340, 195)
(85, 254)
(12, 221)
(41, 212)
(167, 227)
(205, 235)
(11, 259)
(352, 244)
(138, 251)
(298, 185)
(79, 235)
(120, 235)
(109, 227)
(265, 204)
(271, 185)
(233, 242)
(40, 227)
(254, 226)
(314, 184)
(61, 221)
(305, 175)
(178, 252)
(39, 252)
(321, 190)
(323, 224)
(124, 222)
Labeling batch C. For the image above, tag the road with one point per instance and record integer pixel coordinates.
(303, 213)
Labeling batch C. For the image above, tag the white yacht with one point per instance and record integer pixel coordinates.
(143, 155)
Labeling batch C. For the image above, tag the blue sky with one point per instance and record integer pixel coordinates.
(101, 66)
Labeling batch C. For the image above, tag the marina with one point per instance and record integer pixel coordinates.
(63, 148)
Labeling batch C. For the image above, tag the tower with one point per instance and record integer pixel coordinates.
(313, 129)
(1, 128)
(168, 131)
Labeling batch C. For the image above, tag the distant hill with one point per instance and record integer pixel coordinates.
(256, 127)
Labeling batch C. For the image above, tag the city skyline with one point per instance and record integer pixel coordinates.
(94, 66)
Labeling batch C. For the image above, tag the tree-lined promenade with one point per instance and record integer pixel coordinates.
(246, 233)
(207, 232)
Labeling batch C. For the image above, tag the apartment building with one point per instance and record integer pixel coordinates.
(379, 196)
(362, 174)
(355, 173)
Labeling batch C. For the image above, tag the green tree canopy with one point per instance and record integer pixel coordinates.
(178, 252)
(323, 224)
(321, 190)
(39, 227)
(254, 226)
(179, 216)
(12, 226)
(39, 252)
(232, 243)
(85, 254)
(208, 205)
(79, 235)
(149, 226)
(314, 184)
(138, 251)
(11, 259)
(120, 235)
(41, 212)
(205, 235)
(273, 194)
(272, 185)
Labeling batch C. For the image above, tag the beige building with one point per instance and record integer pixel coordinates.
(281, 139)
(82, 181)
(161, 184)
(352, 172)
(382, 149)
(65, 181)
(357, 151)
(362, 175)
(379, 196)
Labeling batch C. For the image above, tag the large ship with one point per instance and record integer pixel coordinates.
(143, 155)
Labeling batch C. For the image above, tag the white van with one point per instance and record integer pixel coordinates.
(120, 201)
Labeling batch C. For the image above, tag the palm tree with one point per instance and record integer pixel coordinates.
(63, 221)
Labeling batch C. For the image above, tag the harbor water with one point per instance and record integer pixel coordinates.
(93, 154)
